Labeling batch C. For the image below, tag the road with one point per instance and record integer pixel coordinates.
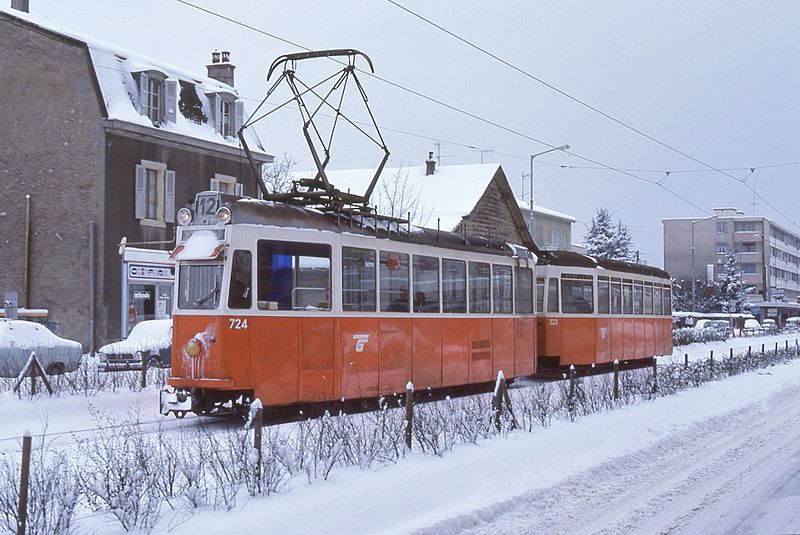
(737, 473)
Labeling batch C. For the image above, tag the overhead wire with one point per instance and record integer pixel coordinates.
(447, 105)
(585, 104)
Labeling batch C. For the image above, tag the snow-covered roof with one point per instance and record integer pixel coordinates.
(450, 193)
(115, 68)
(537, 209)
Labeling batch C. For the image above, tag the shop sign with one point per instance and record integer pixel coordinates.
(141, 294)
(143, 271)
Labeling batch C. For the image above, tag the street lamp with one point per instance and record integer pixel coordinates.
(694, 299)
(560, 147)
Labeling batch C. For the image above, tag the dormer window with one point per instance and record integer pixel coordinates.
(157, 96)
(228, 113)
(154, 100)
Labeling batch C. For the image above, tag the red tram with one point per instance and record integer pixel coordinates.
(290, 305)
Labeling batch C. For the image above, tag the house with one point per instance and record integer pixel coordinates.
(101, 143)
(552, 230)
(473, 199)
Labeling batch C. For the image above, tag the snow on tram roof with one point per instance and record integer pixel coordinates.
(570, 258)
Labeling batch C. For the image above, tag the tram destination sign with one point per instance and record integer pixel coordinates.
(144, 271)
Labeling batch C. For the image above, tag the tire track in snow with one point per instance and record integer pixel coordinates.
(660, 488)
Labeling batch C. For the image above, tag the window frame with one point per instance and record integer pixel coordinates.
(348, 306)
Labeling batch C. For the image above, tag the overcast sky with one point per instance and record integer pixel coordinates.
(716, 80)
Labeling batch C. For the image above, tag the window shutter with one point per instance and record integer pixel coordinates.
(142, 93)
(214, 184)
(139, 196)
(239, 189)
(171, 100)
(238, 117)
(169, 196)
(216, 104)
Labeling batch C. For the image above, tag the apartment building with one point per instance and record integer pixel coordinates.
(768, 253)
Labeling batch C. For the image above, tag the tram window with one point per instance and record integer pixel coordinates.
(638, 297)
(659, 305)
(667, 301)
(648, 300)
(239, 293)
(501, 289)
(394, 282)
(552, 295)
(358, 280)
(627, 297)
(454, 286)
(539, 294)
(577, 294)
(616, 297)
(199, 286)
(294, 276)
(603, 296)
(426, 284)
(523, 294)
(479, 287)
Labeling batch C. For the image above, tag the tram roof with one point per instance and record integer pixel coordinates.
(260, 212)
(570, 258)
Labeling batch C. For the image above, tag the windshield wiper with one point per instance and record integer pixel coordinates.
(214, 291)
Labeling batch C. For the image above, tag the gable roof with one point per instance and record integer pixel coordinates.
(114, 69)
(449, 194)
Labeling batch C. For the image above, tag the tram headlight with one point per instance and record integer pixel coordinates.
(224, 215)
(193, 347)
(184, 216)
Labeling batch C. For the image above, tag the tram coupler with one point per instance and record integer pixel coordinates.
(178, 402)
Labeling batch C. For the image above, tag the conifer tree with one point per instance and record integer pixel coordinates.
(606, 240)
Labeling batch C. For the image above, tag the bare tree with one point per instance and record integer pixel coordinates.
(397, 197)
(277, 175)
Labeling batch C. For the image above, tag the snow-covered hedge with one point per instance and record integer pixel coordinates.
(690, 335)
(143, 477)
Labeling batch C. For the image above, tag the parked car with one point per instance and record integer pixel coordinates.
(792, 325)
(751, 326)
(153, 338)
(769, 326)
(18, 338)
(721, 326)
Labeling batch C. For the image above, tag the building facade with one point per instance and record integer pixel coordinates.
(767, 253)
(551, 230)
(99, 145)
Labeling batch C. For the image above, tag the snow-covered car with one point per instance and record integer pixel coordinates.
(721, 326)
(792, 325)
(151, 338)
(769, 325)
(18, 338)
(751, 326)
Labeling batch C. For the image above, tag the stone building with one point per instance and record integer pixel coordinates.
(101, 144)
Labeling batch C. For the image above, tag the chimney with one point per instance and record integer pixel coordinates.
(430, 164)
(21, 5)
(221, 68)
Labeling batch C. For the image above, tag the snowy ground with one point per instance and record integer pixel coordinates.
(720, 458)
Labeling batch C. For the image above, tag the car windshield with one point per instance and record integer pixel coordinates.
(199, 286)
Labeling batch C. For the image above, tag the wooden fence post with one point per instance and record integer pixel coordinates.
(655, 375)
(258, 423)
(762, 351)
(507, 399)
(730, 363)
(497, 399)
(409, 412)
(22, 511)
(711, 363)
(616, 378)
(686, 360)
(571, 393)
(776, 347)
(144, 355)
